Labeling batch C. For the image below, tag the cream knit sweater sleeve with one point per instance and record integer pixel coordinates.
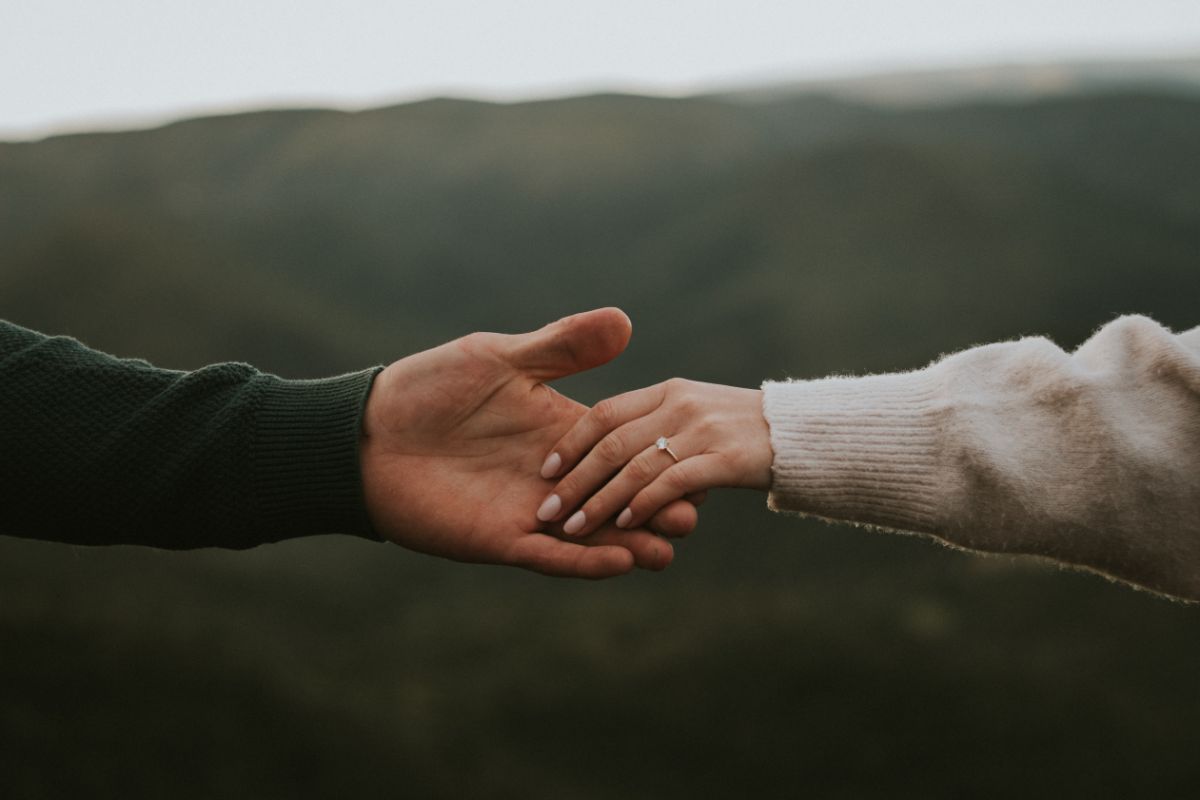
(1090, 458)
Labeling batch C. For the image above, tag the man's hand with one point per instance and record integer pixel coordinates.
(453, 441)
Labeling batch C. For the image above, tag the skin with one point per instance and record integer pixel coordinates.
(613, 468)
(453, 437)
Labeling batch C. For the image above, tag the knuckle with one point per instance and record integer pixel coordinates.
(705, 426)
(679, 478)
(640, 470)
(571, 490)
(611, 450)
(689, 403)
(676, 385)
(595, 511)
(567, 490)
(604, 414)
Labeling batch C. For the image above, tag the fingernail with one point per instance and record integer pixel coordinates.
(575, 523)
(549, 508)
(551, 465)
(624, 518)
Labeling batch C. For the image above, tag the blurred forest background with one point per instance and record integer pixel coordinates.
(749, 235)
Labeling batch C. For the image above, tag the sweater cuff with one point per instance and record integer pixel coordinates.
(306, 471)
(856, 449)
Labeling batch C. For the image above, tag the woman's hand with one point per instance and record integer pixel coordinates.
(716, 436)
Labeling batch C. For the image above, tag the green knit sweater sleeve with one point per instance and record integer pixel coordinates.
(100, 450)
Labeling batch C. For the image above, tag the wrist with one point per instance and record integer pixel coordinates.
(757, 442)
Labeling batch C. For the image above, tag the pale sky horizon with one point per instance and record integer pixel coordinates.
(66, 66)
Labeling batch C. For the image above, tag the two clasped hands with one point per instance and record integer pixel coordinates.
(468, 454)
(1018, 447)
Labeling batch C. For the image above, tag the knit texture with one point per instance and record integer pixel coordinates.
(1092, 459)
(100, 450)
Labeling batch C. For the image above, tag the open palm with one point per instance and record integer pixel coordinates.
(453, 440)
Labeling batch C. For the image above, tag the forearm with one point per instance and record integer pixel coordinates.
(1091, 458)
(99, 450)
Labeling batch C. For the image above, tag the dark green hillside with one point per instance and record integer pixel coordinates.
(794, 236)
(1094, 137)
(407, 224)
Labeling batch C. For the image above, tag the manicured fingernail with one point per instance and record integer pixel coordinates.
(623, 519)
(549, 508)
(551, 465)
(575, 523)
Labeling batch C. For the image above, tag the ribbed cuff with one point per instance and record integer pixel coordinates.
(307, 477)
(857, 449)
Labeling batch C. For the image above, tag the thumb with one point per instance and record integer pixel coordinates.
(572, 344)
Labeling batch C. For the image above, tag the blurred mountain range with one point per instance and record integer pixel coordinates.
(1013, 81)
(793, 231)
(796, 235)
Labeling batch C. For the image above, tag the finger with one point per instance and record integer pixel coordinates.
(649, 551)
(625, 450)
(572, 344)
(610, 499)
(697, 498)
(600, 421)
(550, 556)
(690, 475)
(675, 520)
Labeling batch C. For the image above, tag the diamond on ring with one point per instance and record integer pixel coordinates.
(663, 444)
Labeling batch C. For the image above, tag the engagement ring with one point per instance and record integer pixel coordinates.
(663, 444)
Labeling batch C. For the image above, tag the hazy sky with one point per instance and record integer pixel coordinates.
(72, 64)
